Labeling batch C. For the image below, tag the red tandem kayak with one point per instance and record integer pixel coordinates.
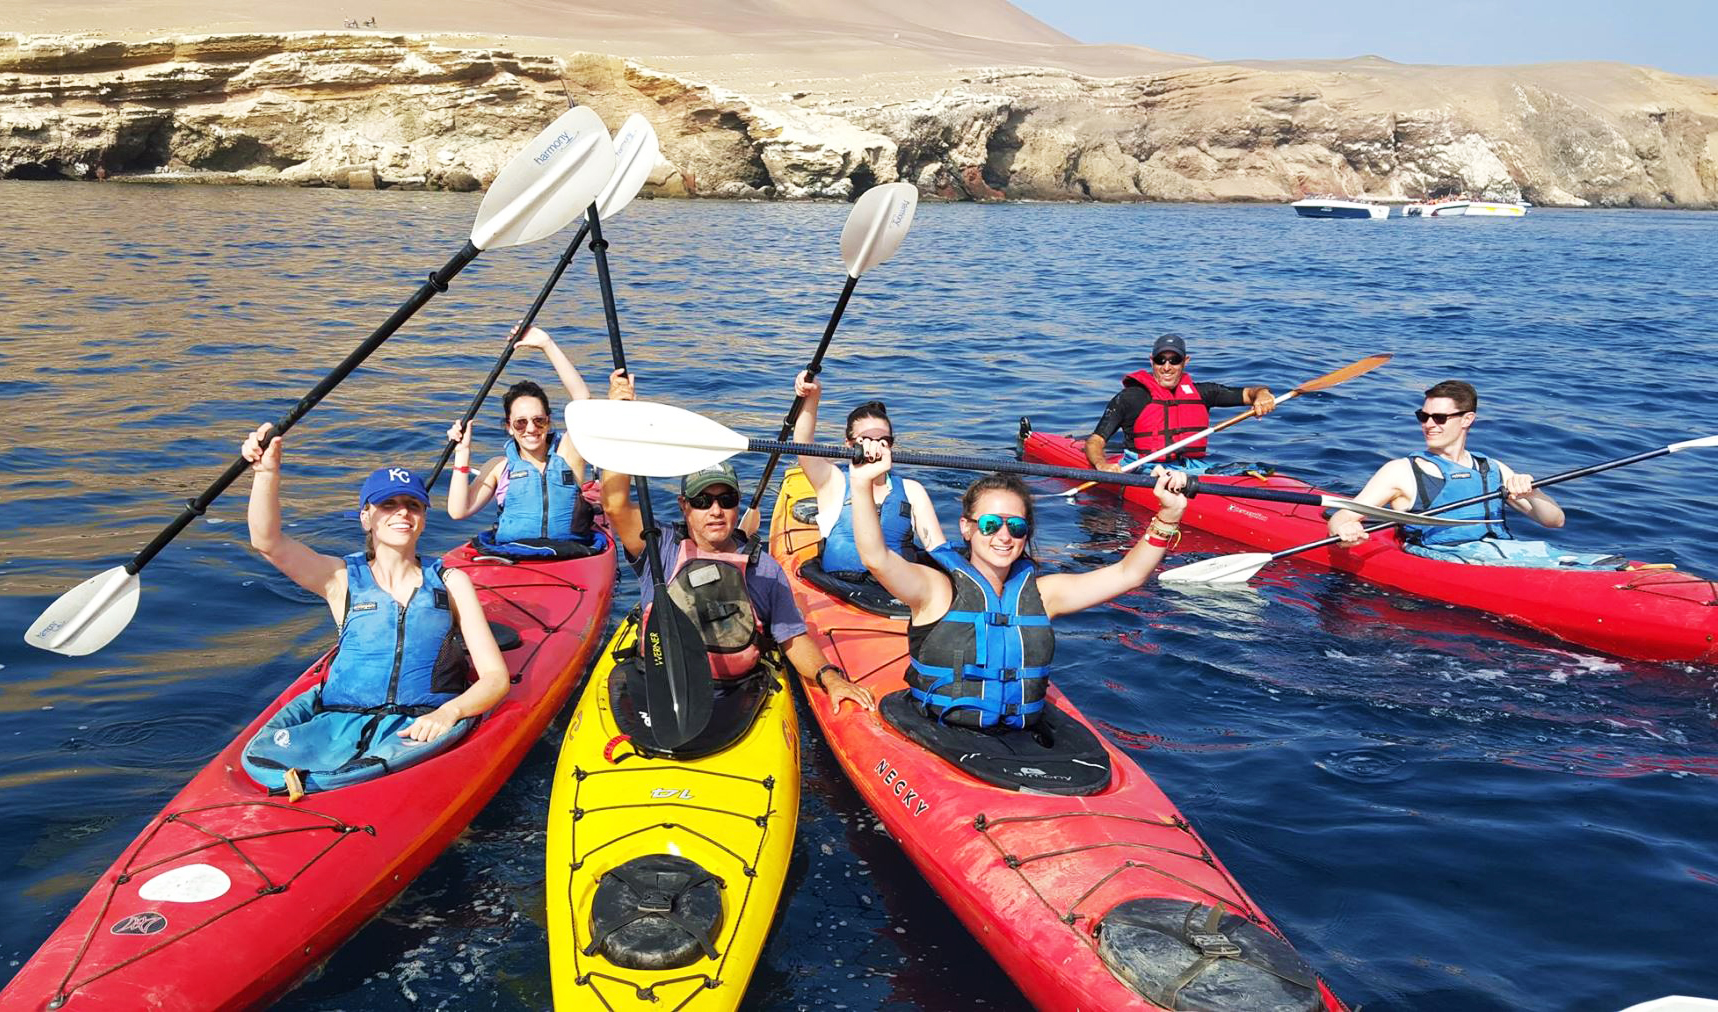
(1645, 614)
(230, 896)
(1098, 897)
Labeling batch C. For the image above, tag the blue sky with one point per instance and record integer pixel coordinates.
(1675, 35)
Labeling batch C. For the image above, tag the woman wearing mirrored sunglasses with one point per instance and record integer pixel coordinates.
(1161, 404)
(980, 637)
(1448, 472)
(906, 507)
(537, 481)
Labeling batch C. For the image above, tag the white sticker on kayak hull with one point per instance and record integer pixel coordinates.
(191, 883)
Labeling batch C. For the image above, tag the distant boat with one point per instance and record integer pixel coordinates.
(1448, 207)
(1496, 209)
(1339, 207)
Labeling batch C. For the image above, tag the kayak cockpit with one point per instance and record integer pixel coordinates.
(1057, 755)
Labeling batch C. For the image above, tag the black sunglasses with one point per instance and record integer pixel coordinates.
(1437, 416)
(727, 500)
(1167, 358)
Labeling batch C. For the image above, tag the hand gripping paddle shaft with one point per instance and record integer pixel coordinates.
(537, 193)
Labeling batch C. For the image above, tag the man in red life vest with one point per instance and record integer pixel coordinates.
(1162, 405)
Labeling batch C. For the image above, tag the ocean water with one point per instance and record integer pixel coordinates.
(1441, 811)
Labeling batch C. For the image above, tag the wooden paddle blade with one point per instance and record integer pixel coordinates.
(547, 184)
(643, 437)
(1343, 374)
(677, 681)
(636, 150)
(876, 226)
(1223, 570)
(87, 617)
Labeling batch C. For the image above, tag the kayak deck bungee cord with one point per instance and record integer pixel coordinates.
(664, 869)
(230, 895)
(1643, 612)
(1054, 848)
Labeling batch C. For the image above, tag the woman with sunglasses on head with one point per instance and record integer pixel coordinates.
(980, 634)
(906, 507)
(1162, 405)
(397, 690)
(538, 480)
(1448, 472)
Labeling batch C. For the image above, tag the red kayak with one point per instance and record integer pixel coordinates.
(1643, 613)
(230, 896)
(1053, 847)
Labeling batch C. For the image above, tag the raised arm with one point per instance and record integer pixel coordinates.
(818, 470)
(466, 494)
(1065, 593)
(320, 574)
(571, 382)
(914, 585)
(492, 677)
(624, 517)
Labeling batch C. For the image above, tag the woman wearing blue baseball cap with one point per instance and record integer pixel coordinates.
(396, 690)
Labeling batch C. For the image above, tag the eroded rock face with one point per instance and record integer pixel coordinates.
(349, 109)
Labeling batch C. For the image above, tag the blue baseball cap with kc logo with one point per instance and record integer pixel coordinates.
(391, 481)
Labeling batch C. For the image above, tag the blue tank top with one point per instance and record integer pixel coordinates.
(895, 512)
(1454, 484)
(388, 655)
(546, 504)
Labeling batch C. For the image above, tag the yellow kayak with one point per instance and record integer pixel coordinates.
(664, 871)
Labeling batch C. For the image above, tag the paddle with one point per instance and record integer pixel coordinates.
(537, 193)
(635, 153)
(678, 691)
(1236, 569)
(874, 230)
(1324, 382)
(641, 437)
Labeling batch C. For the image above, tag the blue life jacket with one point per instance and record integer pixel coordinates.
(545, 504)
(987, 661)
(840, 555)
(1455, 484)
(393, 658)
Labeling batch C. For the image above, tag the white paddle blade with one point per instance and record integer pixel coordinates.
(643, 437)
(548, 184)
(1224, 570)
(87, 617)
(1394, 516)
(1693, 444)
(636, 150)
(876, 226)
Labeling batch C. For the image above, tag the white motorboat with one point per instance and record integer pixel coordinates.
(1496, 209)
(1339, 207)
(1448, 207)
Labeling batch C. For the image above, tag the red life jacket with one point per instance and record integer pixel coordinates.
(1170, 417)
(711, 588)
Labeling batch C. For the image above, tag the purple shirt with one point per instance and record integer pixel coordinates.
(766, 582)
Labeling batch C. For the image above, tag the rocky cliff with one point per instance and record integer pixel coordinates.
(370, 109)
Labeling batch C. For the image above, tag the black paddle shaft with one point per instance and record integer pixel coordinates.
(529, 318)
(194, 508)
(1579, 472)
(811, 371)
(964, 463)
(673, 630)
